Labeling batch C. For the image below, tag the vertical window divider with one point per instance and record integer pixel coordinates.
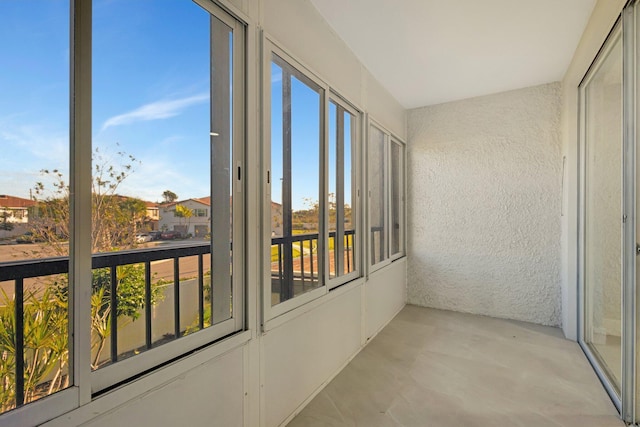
(323, 227)
(80, 187)
(286, 292)
(338, 242)
(629, 239)
(387, 196)
(347, 243)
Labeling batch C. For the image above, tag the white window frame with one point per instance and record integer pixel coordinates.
(619, 395)
(389, 139)
(401, 197)
(356, 139)
(271, 47)
(78, 392)
(122, 370)
(269, 311)
(84, 384)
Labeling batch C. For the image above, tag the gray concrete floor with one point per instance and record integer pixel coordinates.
(440, 368)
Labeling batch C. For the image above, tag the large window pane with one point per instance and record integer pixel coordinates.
(602, 214)
(162, 174)
(377, 195)
(34, 200)
(341, 241)
(296, 105)
(396, 206)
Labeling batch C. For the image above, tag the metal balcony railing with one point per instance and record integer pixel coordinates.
(304, 270)
(297, 260)
(18, 271)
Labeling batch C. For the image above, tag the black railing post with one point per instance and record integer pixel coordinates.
(19, 313)
(200, 292)
(176, 296)
(302, 262)
(113, 299)
(147, 303)
(311, 259)
(336, 253)
(348, 249)
(353, 249)
(280, 270)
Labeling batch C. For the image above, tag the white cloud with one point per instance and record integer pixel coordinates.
(36, 140)
(155, 175)
(276, 77)
(156, 110)
(27, 150)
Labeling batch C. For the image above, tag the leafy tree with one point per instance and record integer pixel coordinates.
(185, 214)
(45, 346)
(169, 196)
(130, 289)
(115, 219)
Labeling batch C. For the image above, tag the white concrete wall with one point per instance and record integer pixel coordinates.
(302, 354)
(386, 293)
(602, 20)
(255, 379)
(484, 192)
(209, 395)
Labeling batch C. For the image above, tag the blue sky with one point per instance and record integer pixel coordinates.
(305, 142)
(150, 90)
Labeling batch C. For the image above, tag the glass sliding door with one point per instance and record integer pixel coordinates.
(602, 203)
(608, 232)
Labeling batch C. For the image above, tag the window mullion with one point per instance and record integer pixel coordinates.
(221, 136)
(80, 200)
(386, 206)
(286, 291)
(338, 246)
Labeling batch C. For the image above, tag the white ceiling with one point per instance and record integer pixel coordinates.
(427, 52)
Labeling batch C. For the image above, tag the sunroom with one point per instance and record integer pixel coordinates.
(348, 193)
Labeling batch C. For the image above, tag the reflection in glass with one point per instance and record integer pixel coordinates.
(295, 182)
(602, 215)
(378, 189)
(396, 197)
(341, 227)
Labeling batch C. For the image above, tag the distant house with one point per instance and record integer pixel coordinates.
(276, 219)
(197, 225)
(153, 215)
(199, 222)
(15, 209)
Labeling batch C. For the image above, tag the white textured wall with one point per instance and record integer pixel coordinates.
(484, 193)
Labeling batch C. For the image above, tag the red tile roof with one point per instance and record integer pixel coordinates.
(15, 202)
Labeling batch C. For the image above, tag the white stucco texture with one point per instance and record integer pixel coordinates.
(484, 205)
